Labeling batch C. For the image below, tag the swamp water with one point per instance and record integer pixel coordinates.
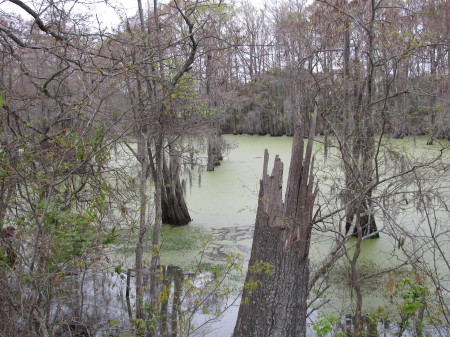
(223, 205)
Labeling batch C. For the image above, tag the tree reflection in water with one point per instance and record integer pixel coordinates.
(103, 303)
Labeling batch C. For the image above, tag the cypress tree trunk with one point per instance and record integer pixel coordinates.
(276, 286)
(214, 152)
(362, 217)
(174, 208)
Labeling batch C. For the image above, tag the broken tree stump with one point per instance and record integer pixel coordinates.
(276, 286)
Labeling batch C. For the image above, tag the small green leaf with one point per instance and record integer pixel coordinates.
(113, 322)
(2, 101)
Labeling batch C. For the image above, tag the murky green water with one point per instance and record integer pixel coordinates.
(223, 204)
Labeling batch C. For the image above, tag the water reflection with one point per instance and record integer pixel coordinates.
(103, 303)
(191, 303)
(172, 279)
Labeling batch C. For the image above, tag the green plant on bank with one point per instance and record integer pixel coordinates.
(325, 325)
(55, 214)
(409, 296)
(412, 306)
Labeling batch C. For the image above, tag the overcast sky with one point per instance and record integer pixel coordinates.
(106, 14)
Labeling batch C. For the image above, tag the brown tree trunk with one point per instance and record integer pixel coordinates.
(276, 286)
(366, 220)
(174, 208)
(277, 307)
(214, 152)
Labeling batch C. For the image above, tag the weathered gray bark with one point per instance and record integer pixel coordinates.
(214, 152)
(276, 286)
(174, 207)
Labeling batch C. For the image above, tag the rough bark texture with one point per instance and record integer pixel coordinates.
(276, 286)
(277, 307)
(214, 152)
(174, 208)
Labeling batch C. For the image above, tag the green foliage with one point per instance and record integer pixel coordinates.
(408, 295)
(2, 101)
(6, 170)
(325, 324)
(185, 102)
(262, 267)
(257, 268)
(245, 300)
(73, 233)
(252, 285)
(164, 294)
(412, 294)
(113, 322)
(4, 258)
(234, 262)
(111, 237)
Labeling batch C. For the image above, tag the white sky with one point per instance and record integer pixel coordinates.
(107, 11)
(106, 14)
